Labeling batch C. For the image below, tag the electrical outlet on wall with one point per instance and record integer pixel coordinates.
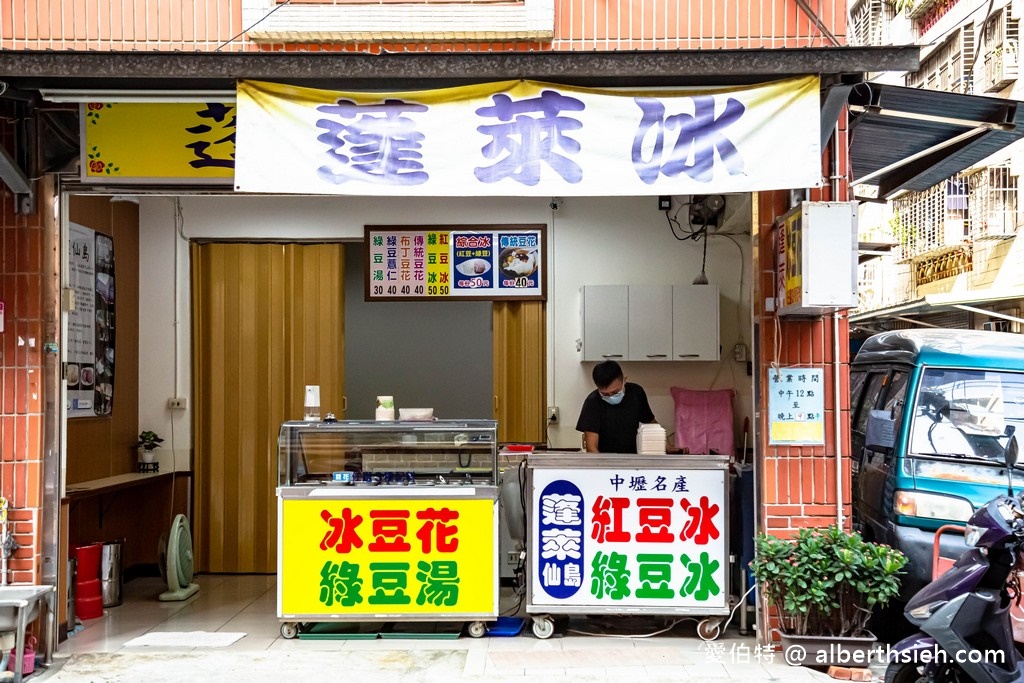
(552, 413)
(739, 353)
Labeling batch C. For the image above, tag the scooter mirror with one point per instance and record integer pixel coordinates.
(1010, 456)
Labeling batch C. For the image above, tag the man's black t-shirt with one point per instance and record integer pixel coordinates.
(615, 426)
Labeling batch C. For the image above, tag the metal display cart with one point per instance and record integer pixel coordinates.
(627, 534)
(387, 521)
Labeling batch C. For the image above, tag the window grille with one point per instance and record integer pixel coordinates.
(948, 68)
(871, 22)
(994, 204)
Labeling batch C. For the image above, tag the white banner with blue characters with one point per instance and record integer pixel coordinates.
(523, 138)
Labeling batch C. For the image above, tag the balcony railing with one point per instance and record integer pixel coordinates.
(969, 206)
(938, 233)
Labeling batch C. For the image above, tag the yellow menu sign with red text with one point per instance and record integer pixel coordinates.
(387, 557)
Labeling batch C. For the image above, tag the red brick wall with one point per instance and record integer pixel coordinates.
(21, 404)
(798, 483)
(579, 25)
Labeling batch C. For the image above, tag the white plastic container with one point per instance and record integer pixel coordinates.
(416, 414)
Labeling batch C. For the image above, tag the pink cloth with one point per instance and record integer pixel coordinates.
(704, 420)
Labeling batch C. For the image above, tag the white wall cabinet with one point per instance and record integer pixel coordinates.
(605, 322)
(650, 322)
(695, 333)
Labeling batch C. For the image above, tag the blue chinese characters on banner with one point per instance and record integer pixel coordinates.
(560, 537)
(530, 133)
(697, 137)
(375, 143)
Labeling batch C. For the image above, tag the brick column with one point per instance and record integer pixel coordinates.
(21, 404)
(797, 484)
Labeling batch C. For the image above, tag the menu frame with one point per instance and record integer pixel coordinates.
(494, 292)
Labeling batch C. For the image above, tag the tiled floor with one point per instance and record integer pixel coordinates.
(247, 604)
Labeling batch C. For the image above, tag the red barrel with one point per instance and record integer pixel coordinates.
(88, 589)
(89, 608)
(88, 561)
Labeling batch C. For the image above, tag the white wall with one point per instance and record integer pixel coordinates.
(591, 241)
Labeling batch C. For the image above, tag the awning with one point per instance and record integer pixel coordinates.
(941, 303)
(911, 139)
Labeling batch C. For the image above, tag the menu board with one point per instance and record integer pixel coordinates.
(455, 262)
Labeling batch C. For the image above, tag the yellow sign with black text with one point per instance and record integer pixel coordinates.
(387, 557)
(145, 142)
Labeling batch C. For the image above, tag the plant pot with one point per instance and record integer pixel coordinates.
(828, 650)
(146, 455)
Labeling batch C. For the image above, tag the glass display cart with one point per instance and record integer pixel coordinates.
(387, 521)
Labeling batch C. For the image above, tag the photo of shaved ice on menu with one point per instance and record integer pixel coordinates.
(519, 260)
(472, 255)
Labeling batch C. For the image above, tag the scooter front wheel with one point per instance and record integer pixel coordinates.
(910, 672)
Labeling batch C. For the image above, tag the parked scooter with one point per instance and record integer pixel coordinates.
(964, 615)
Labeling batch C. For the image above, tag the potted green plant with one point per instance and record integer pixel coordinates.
(147, 443)
(824, 585)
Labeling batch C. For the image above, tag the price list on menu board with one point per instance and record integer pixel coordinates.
(455, 262)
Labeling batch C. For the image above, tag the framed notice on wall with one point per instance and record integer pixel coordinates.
(456, 262)
(796, 406)
(90, 346)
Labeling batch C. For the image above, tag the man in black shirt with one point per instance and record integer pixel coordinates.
(612, 413)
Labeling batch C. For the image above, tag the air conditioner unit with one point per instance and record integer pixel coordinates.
(1002, 325)
(1001, 35)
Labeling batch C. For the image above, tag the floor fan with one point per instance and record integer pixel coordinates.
(179, 565)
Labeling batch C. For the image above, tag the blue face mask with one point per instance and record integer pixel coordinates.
(615, 399)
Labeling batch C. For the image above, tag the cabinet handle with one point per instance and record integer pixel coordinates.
(611, 355)
(657, 355)
(344, 404)
(689, 355)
